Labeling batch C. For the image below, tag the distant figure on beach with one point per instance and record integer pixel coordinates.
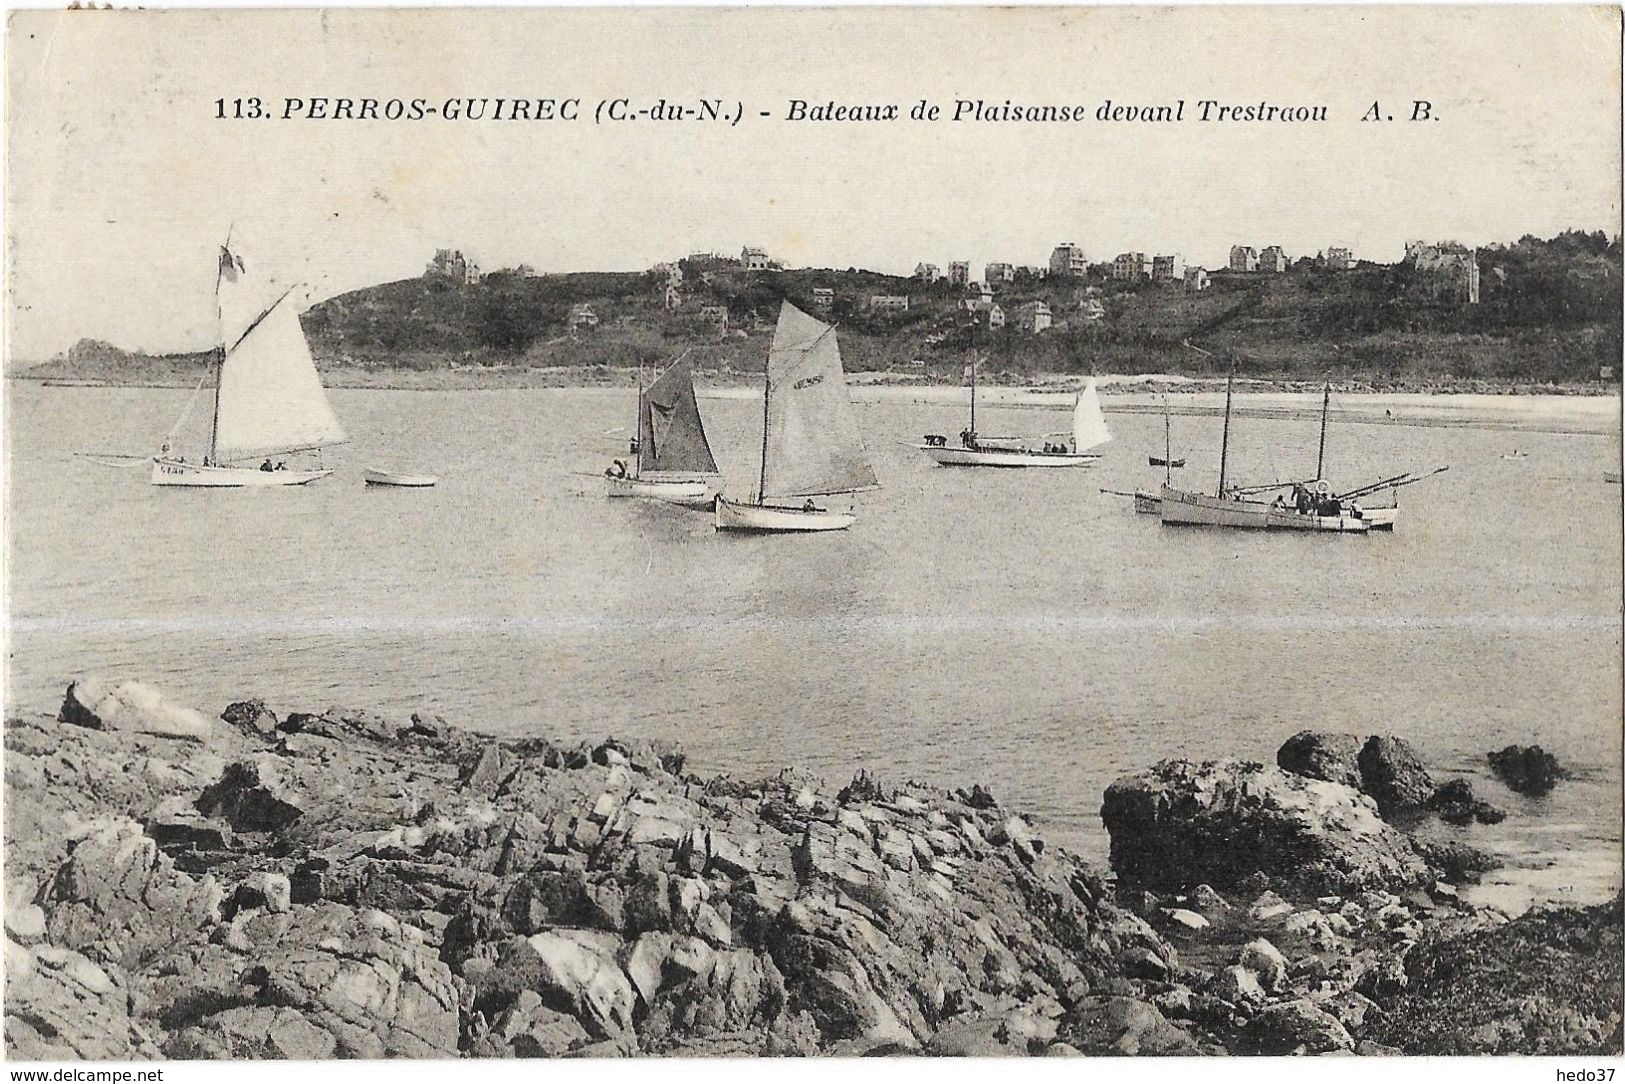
(266, 466)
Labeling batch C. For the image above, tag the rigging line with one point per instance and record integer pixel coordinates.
(260, 319)
(186, 412)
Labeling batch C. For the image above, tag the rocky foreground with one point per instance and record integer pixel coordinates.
(346, 885)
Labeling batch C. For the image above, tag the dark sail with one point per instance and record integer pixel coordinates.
(671, 436)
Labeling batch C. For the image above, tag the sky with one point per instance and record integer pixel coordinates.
(122, 183)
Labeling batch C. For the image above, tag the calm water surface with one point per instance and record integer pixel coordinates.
(1018, 629)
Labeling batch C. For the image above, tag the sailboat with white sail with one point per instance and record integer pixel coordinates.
(672, 459)
(1089, 430)
(268, 400)
(811, 446)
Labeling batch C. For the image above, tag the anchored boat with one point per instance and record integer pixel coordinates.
(374, 477)
(268, 400)
(1089, 430)
(1235, 507)
(671, 459)
(810, 441)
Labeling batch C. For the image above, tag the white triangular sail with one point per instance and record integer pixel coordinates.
(812, 445)
(1088, 421)
(271, 401)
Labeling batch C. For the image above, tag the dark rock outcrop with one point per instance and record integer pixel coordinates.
(1455, 802)
(1547, 983)
(1393, 775)
(1181, 824)
(1334, 758)
(1527, 769)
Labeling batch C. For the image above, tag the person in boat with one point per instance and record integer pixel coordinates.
(266, 466)
(616, 469)
(632, 446)
(282, 464)
(967, 438)
(809, 506)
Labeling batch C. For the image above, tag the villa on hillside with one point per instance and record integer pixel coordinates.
(1449, 270)
(1033, 317)
(453, 266)
(1128, 266)
(1338, 259)
(1243, 258)
(1068, 259)
(1168, 268)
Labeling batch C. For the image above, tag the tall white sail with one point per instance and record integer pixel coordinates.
(812, 445)
(271, 400)
(1088, 422)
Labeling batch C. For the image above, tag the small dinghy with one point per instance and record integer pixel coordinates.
(394, 478)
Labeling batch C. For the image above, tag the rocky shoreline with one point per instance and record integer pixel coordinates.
(275, 883)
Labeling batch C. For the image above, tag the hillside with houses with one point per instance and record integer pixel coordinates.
(1531, 312)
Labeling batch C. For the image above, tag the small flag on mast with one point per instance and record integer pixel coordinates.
(231, 265)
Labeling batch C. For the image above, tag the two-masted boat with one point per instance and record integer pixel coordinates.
(671, 458)
(1316, 509)
(974, 449)
(268, 400)
(811, 446)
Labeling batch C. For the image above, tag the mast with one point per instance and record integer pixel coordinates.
(973, 394)
(1167, 444)
(220, 334)
(761, 482)
(1320, 460)
(1224, 441)
(637, 428)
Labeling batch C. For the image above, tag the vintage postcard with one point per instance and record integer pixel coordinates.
(813, 531)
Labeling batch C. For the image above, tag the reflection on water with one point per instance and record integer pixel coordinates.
(1019, 629)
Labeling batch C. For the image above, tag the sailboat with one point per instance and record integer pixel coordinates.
(673, 459)
(1089, 430)
(810, 441)
(268, 400)
(1238, 506)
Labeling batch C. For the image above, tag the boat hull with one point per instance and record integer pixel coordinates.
(1183, 509)
(764, 518)
(1380, 519)
(684, 491)
(173, 472)
(1005, 457)
(404, 481)
(1147, 503)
